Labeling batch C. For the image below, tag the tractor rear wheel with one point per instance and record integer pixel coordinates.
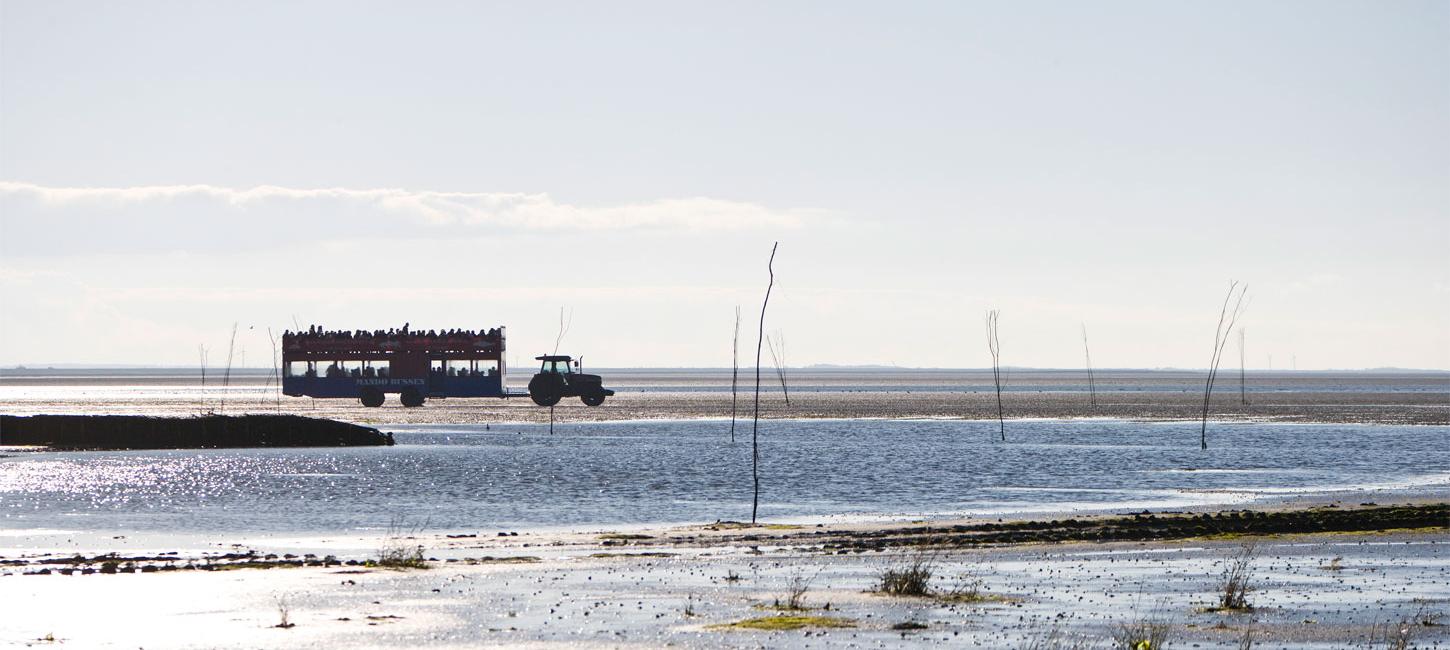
(593, 399)
(372, 397)
(411, 397)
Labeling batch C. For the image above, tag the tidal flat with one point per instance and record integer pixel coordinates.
(1367, 397)
(621, 525)
(733, 585)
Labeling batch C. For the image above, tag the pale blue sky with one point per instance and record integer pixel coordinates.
(1107, 163)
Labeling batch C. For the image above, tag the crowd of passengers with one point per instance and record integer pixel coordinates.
(316, 333)
(336, 370)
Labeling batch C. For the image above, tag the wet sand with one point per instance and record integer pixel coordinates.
(684, 586)
(1324, 578)
(1371, 398)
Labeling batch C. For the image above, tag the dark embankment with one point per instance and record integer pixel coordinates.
(1138, 528)
(203, 432)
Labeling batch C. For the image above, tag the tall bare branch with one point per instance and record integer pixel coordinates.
(201, 350)
(1092, 381)
(778, 357)
(563, 328)
(995, 348)
(734, 371)
(1226, 319)
(276, 372)
(755, 425)
(1243, 380)
(227, 377)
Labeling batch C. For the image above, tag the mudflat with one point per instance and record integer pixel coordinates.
(1330, 576)
(1349, 397)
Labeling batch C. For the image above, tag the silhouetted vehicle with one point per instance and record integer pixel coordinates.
(558, 378)
(367, 365)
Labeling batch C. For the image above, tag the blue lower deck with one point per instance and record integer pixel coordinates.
(433, 386)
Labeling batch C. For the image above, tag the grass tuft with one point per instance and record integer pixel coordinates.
(1150, 632)
(1399, 635)
(1233, 592)
(794, 598)
(399, 551)
(914, 579)
(284, 614)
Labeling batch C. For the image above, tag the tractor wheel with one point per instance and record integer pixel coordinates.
(594, 399)
(545, 397)
(411, 397)
(372, 397)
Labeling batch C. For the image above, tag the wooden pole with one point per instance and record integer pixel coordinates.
(755, 425)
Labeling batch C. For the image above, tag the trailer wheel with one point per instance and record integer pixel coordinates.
(411, 397)
(594, 399)
(372, 397)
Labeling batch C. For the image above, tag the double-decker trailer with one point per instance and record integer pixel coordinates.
(368, 365)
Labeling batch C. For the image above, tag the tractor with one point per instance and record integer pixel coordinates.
(559, 377)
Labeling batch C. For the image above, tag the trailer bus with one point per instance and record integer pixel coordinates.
(416, 365)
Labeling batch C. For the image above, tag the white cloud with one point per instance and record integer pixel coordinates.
(496, 209)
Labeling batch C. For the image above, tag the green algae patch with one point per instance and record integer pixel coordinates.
(974, 598)
(1224, 610)
(646, 554)
(624, 536)
(237, 566)
(740, 525)
(512, 559)
(786, 623)
(956, 598)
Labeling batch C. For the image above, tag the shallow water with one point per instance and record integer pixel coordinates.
(452, 477)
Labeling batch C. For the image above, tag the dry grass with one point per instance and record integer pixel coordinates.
(1399, 635)
(1391, 636)
(914, 579)
(1150, 632)
(794, 598)
(1054, 638)
(399, 550)
(284, 614)
(1233, 591)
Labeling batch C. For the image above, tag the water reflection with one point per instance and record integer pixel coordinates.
(651, 472)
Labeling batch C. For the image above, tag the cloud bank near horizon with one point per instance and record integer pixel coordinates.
(177, 217)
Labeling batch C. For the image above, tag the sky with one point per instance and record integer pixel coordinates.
(170, 169)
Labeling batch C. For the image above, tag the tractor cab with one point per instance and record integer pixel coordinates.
(559, 376)
(557, 364)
